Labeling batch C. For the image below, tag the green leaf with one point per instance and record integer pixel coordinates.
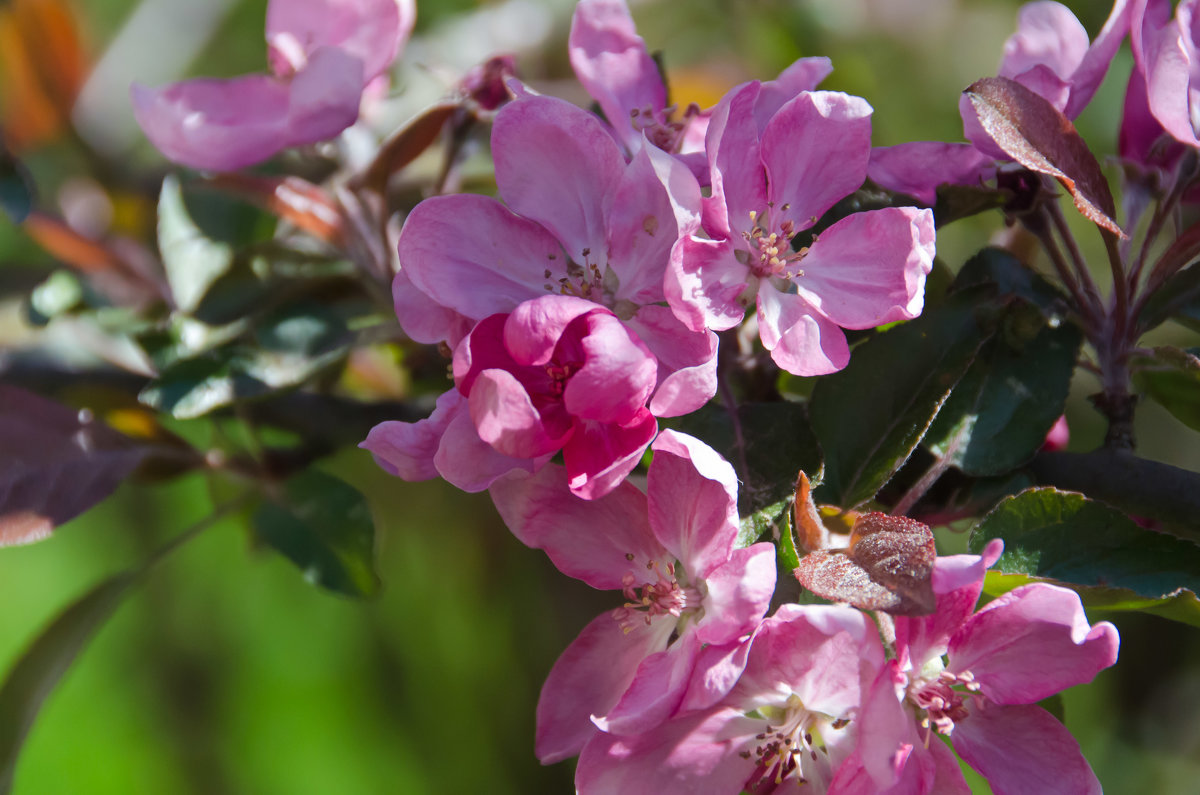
(1178, 297)
(324, 526)
(1000, 270)
(193, 260)
(955, 202)
(1171, 377)
(61, 292)
(290, 346)
(1066, 537)
(777, 443)
(41, 666)
(1183, 607)
(870, 416)
(997, 417)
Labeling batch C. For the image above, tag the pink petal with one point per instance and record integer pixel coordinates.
(739, 180)
(918, 168)
(739, 594)
(815, 150)
(617, 376)
(506, 419)
(957, 581)
(1090, 72)
(612, 63)
(1049, 35)
(373, 31)
(687, 361)
(590, 541)
(466, 461)
(704, 284)
(588, 679)
(223, 125)
(692, 494)
(656, 202)
(1167, 54)
(471, 255)
(599, 456)
(535, 328)
(869, 268)
(1032, 643)
(657, 688)
(800, 339)
(423, 320)
(557, 165)
(1023, 749)
(804, 74)
(821, 653)
(691, 754)
(717, 670)
(406, 449)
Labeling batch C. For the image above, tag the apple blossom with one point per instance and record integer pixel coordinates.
(322, 55)
(777, 164)
(691, 597)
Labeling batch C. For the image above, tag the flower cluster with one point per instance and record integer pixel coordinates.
(593, 297)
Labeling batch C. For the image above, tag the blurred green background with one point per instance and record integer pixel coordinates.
(225, 672)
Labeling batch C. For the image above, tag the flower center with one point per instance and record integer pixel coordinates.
(769, 247)
(793, 733)
(666, 596)
(559, 375)
(589, 281)
(944, 699)
(660, 127)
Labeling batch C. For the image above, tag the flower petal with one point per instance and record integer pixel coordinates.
(612, 63)
(869, 268)
(804, 74)
(656, 690)
(556, 164)
(1024, 749)
(739, 594)
(1032, 643)
(739, 181)
(815, 150)
(918, 168)
(687, 361)
(588, 679)
(423, 320)
(618, 372)
(656, 202)
(471, 255)
(692, 494)
(704, 284)
(406, 449)
(590, 541)
(471, 464)
(801, 340)
(371, 30)
(534, 329)
(600, 455)
(505, 417)
(1049, 35)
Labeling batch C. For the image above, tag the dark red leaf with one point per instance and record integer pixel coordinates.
(887, 567)
(293, 199)
(55, 463)
(1038, 136)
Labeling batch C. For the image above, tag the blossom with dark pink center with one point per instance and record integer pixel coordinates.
(322, 55)
(977, 677)
(577, 220)
(557, 373)
(691, 597)
(777, 163)
(786, 726)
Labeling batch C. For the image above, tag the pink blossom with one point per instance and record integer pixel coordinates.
(690, 595)
(1165, 50)
(786, 726)
(557, 373)
(576, 220)
(777, 164)
(977, 676)
(1048, 54)
(322, 56)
